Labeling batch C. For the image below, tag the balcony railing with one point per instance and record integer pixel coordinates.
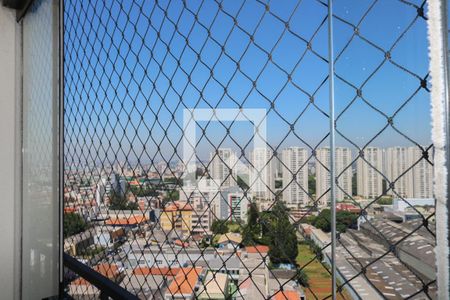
(91, 283)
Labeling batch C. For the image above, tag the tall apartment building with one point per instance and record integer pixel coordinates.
(262, 172)
(221, 167)
(397, 163)
(412, 175)
(422, 174)
(369, 181)
(343, 160)
(295, 176)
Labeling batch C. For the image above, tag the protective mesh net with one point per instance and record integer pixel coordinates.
(196, 149)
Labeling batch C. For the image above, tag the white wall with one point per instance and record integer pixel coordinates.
(9, 130)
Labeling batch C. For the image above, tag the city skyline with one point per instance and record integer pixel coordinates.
(403, 166)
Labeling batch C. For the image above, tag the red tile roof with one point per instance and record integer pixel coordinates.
(184, 282)
(181, 243)
(287, 295)
(257, 249)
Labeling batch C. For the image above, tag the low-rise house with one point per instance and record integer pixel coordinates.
(230, 241)
(156, 237)
(117, 235)
(110, 236)
(215, 287)
(148, 283)
(291, 289)
(138, 253)
(254, 287)
(289, 295)
(184, 285)
(226, 264)
(257, 251)
(130, 220)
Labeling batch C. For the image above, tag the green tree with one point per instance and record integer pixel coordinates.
(233, 226)
(265, 218)
(323, 220)
(173, 180)
(302, 278)
(278, 184)
(385, 201)
(384, 186)
(91, 251)
(199, 173)
(281, 235)
(252, 214)
(144, 191)
(73, 224)
(323, 224)
(219, 227)
(132, 206)
(120, 202)
(308, 219)
(172, 195)
(251, 230)
(344, 220)
(311, 184)
(316, 250)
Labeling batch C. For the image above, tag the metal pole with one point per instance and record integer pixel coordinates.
(332, 149)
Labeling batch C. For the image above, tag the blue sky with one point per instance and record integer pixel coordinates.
(120, 71)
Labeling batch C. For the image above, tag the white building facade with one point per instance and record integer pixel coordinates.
(295, 176)
(410, 173)
(262, 172)
(222, 163)
(397, 163)
(344, 173)
(369, 179)
(422, 173)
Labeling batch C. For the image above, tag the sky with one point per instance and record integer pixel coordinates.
(129, 74)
